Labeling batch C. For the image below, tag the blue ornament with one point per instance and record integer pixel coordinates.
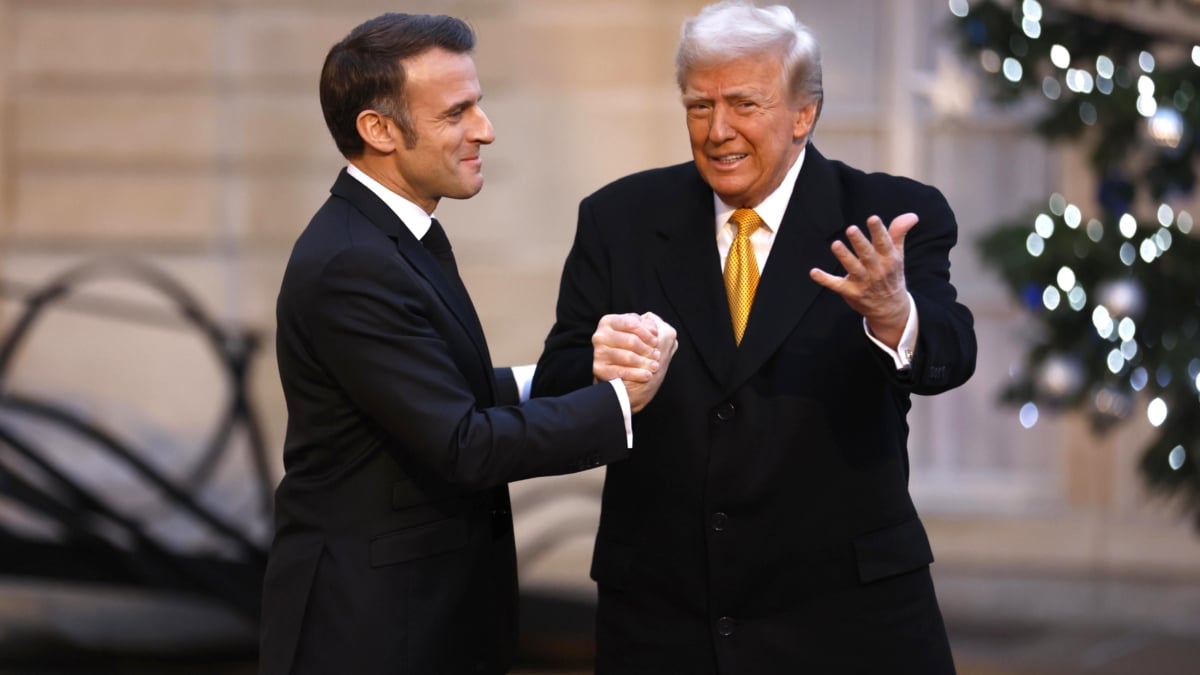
(1031, 295)
(976, 32)
(1115, 194)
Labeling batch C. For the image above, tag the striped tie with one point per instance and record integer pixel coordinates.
(741, 270)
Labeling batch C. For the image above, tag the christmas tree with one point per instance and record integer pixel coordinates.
(1115, 294)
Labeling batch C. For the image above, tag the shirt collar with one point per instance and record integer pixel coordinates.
(413, 216)
(772, 208)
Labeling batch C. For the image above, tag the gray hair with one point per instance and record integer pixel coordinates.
(733, 29)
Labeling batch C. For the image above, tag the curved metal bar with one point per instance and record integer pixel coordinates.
(172, 563)
(115, 447)
(233, 351)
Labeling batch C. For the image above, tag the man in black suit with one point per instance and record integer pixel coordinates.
(393, 550)
(764, 527)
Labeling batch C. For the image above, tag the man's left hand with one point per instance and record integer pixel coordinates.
(874, 282)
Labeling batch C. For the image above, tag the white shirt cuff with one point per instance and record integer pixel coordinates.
(524, 378)
(902, 355)
(626, 409)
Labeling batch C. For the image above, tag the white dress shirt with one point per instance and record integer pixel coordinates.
(771, 211)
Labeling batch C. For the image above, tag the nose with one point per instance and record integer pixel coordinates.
(482, 131)
(719, 129)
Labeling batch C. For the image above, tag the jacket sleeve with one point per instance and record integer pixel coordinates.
(383, 337)
(583, 297)
(945, 353)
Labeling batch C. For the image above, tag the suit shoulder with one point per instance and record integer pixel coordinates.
(649, 184)
(858, 182)
(338, 239)
(336, 228)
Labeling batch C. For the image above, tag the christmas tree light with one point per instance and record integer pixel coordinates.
(1116, 293)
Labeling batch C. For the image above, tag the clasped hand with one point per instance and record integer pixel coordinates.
(637, 350)
(874, 282)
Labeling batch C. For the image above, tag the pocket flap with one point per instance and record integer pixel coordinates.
(893, 550)
(418, 542)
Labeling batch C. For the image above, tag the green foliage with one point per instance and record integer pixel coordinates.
(1143, 281)
(1105, 114)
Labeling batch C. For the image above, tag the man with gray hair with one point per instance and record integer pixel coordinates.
(765, 525)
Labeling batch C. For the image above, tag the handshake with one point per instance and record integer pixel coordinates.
(637, 350)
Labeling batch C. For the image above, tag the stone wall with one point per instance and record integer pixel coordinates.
(188, 134)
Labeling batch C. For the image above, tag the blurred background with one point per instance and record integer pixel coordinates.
(157, 160)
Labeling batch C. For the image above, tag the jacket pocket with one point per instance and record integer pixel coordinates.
(418, 542)
(611, 562)
(893, 550)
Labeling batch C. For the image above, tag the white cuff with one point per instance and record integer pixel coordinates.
(523, 375)
(626, 410)
(902, 355)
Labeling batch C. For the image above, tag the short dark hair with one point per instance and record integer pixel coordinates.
(364, 71)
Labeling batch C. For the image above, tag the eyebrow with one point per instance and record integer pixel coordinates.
(726, 95)
(462, 104)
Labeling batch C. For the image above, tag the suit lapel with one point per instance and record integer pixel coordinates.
(408, 246)
(812, 221)
(690, 273)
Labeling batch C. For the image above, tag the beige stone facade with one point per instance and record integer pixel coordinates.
(187, 133)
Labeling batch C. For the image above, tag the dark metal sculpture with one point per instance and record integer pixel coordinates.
(95, 541)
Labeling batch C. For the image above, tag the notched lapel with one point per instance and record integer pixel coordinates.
(690, 274)
(411, 249)
(812, 221)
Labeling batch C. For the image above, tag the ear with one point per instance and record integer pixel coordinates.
(377, 131)
(806, 117)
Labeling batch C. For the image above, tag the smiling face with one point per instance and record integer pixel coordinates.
(745, 132)
(443, 94)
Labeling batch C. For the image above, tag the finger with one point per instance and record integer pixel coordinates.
(627, 374)
(653, 325)
(823, 278)
(853, 265)
(666, 331)
(900, 227)
(619, 322)
(646, 332)
(607, 369)
(628, 354)
(640, 375)
(879, 236)
(622, 356)
(863, 249)
(636, 325)
(632, 342)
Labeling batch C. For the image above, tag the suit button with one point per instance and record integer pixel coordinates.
(719, 521)
(725, 411)
(725, 626)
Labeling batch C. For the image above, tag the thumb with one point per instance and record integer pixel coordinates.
(900, 227)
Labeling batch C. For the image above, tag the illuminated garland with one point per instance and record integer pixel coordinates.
(1115, 295)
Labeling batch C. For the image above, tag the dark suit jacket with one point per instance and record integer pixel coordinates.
(393, 549)
(764, 525)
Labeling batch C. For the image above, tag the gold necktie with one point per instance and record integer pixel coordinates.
(741, 270)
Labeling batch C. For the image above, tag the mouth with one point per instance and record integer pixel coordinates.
(728, 160)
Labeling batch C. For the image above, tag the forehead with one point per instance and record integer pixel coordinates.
(754, 73)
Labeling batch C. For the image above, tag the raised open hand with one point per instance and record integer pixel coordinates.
(874, 282)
